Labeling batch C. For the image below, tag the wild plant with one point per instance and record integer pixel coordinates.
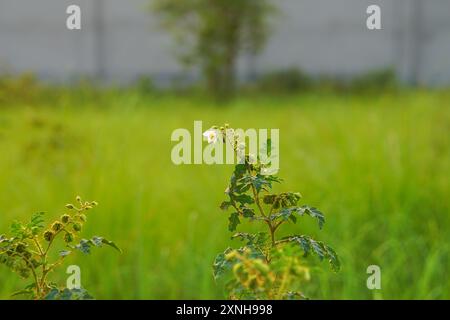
(30, 251)
(266, 266)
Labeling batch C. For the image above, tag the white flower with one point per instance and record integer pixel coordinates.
(211, 135)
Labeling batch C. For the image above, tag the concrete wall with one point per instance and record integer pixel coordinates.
(120, 40)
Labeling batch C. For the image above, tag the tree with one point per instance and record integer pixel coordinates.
(212, 34)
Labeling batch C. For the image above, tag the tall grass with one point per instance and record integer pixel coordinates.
(378, 166)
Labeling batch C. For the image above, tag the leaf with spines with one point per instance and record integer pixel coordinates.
(221, 264)
(233, 221)
(309, 245)
(289, 213)
(253, 239)
(100, 241)
(85, 245)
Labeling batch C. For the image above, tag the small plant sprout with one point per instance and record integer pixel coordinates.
(31, 250)
(266, 266)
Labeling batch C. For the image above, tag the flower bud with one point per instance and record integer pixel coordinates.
(65, 218)
(82, 217)
(78, 198)
(70, 206)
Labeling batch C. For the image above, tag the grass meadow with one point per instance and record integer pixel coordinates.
(377, 165)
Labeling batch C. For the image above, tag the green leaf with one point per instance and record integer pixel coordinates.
(52, 295)
(233, 221)
(323, 251)
(68, 294)
(100, 241)
(96, 241)
(64, 253)
(314, 213)
(247, 212)
(17, 229)
(225, 205)
(36, 222)
(288, 213)
(84, 246)
(243, 199)
(257, 239)
(23, 292)
(111, 244)
(221, 264)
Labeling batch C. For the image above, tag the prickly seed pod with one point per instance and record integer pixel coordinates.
(56, 226)
(65, 218)
(48, 235)
(68, 237)
(70, 206)
(276, 204)
(76, 227)
(20, 247)
(35, 263)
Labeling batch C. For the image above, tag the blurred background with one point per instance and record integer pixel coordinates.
(364, 125)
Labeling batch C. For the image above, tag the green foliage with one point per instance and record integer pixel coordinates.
(376, 166)
(285, 81)
(265, 267)
(68, 294)
(213, 34)
(28, 251)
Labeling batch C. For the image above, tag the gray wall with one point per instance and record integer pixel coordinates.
(120, 41)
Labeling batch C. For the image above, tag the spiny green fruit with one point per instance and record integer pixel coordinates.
(68, 237)
(20, 247)
(57, 226)
(48, 235)
(65, 218)
(76, 227)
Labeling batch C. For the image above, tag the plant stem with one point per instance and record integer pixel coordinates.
(33, 271)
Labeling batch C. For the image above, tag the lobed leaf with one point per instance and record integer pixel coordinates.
(289, 213)
(323, 251)
(233, 221)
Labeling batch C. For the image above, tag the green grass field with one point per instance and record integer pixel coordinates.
(378, 166)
